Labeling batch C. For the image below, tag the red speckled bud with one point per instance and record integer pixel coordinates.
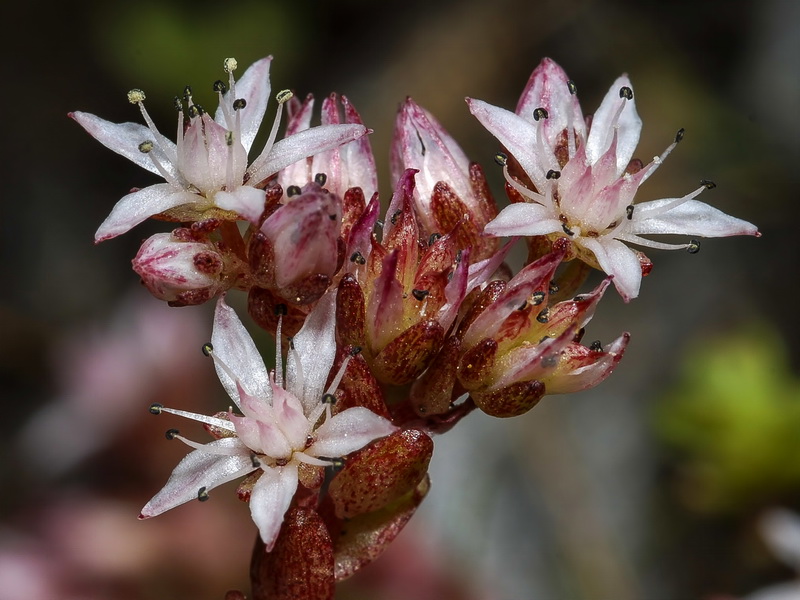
(180, 272)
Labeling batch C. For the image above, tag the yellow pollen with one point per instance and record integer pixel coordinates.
(283, 96)
(230, 65)
(135, 96)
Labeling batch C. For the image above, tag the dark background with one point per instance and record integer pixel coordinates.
(586, 496)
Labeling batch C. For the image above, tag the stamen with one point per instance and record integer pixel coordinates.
(338, 377)
(280, 310)
(629, 211)
(540, 113)
(293, 190)
(158, 408)
(596, 346)
(171, 434)
(694, 247)
(358, 258)
(282, 97)
(207, 349)
(553, 174)
(220, 87)
(626, 92)
(709, 185)
(501, 159)
(320, 179)
(543, 316)
(651, 168)
(329, 398)
(239, 104)
(537, 298)
(202, 494)
(146, 147)
(136, 96)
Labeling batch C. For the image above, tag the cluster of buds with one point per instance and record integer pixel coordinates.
(395, 327)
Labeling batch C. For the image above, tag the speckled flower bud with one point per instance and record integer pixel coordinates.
(180, 272)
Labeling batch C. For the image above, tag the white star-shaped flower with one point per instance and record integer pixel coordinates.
(282, 425)
(583, 181)
(207, 167)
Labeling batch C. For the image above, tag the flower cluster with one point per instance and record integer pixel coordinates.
(396, 323)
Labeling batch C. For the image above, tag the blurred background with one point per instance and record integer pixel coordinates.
(652, 486)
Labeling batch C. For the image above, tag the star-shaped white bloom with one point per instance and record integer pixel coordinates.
(583, 180)
(207, 167)
(282, 425)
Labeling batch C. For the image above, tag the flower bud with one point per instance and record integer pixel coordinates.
(180, 272)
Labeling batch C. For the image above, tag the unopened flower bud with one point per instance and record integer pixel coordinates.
(179, 272)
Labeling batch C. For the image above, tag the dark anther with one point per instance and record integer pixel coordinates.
(281, 309)
(539, 114)
(626, 92)
(202, 494)
(187, 93)
(552, 288)
(194, 111)
(396, 214)
(332, 217)
(537, 298)
(171, 433)
(145, 147)
(254, 460)
(155, 408)
(694, 247)
(596, 346)
(501, 159)
(543, 316)
(573, 89)
(355, 350)
(679, 135)
(290, 339)
(553, 174)
(207, 349)
(708, 184)
(293, 190)
(358, 258)
(239, 104)
(320, 179)
(420, 294)
(523, 306)
(281, 462)
(309, 441)
(379, 224)
(629, 211)
(329, 399)
(458, 256)
(219, 86)
(176, 102)
(567, 230)
(580, 297)
(337, 463)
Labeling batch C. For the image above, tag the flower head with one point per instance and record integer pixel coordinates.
(579, 181)
(206, 171)
(284, 423)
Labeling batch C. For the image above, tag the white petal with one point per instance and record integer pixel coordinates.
(272, 494)
(234, 347)
(138, 206)
(201, 468)
(245, 200)
(616, 259)
(523, 218)
(516, 134)
(253, 87)
(315, 348)
(690, 218)
(301, 145)
(125, 138)
(602, 130)
(348, 431)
